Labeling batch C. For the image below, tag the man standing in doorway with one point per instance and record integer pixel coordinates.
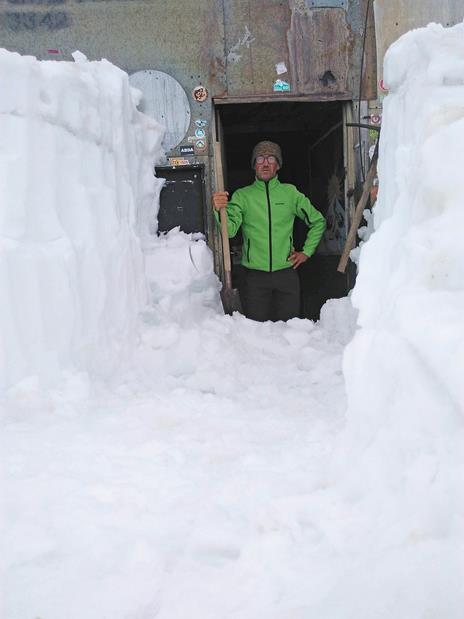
(266, 211)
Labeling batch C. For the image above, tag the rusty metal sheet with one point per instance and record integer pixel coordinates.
(317, 41)
(320, 48)
(233, 47)
(255, 42)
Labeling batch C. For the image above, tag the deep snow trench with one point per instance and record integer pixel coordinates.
(160, 460)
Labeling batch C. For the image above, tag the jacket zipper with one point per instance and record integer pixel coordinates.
(270, 225)
(248, 251)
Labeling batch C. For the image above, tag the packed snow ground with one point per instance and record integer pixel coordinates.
(190, 464)
(184, 488)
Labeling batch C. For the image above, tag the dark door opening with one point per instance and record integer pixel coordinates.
(311, 138)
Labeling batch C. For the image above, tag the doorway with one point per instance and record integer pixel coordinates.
(311, 135)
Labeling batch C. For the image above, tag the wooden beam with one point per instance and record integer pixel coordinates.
(358, 213)
(282, 96)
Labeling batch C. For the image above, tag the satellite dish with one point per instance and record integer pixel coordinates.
(165, 100)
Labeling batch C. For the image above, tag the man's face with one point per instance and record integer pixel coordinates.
(266, 167)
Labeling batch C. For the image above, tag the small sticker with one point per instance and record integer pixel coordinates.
(174, 161)
(201, 122)
(200, 134)
(191, 138)
(187, 149)
(200, 94)
(281, 68)
(281, 86)
(200, 145)
(375, 119)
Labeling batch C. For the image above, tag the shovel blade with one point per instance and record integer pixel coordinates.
(230, 300)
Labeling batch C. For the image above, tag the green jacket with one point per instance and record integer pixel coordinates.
(266, 212)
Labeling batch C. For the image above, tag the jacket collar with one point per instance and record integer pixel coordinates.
(262, 185)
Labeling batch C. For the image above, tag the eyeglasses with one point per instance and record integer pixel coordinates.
(268, 158)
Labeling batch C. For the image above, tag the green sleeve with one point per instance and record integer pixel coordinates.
(313, 219)
(234, 214)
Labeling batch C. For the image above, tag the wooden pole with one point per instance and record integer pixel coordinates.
(358, 213)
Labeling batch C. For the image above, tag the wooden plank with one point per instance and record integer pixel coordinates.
(214, 236)
(351, 238)
(309, 98)
(350, 167)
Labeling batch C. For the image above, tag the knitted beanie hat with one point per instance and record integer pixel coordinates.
(266, 148)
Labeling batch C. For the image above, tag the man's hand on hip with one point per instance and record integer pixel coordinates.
(297, 258)
(220, 199)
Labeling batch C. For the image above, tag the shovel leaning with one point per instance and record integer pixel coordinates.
(229, 296)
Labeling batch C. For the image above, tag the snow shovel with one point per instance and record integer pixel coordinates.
(229, 296)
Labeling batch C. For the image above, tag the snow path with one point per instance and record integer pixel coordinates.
(185, 493)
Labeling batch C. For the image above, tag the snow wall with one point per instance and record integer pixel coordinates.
(76, 162)
(401, 455)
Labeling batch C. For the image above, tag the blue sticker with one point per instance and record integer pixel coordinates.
(281, 86)
(200, 133)
(200, 122)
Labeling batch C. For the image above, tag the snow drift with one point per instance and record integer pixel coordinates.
(76, 161)
(401, 454)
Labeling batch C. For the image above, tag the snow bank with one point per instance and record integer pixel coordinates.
(76, 159)
(402, 452)
(184, 288)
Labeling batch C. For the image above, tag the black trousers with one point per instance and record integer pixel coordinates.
(272, 296)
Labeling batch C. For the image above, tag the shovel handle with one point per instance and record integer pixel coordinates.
(225, 249)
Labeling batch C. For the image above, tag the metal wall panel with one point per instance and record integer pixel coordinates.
(395, 17)
(233, 47)
(255, 41)
(182, 38)
(318, 51)
(320, 48)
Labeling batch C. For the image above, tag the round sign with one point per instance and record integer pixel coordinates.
(200, 94)
(164, 99)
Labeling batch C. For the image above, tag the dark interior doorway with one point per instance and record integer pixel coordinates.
(311, 138)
